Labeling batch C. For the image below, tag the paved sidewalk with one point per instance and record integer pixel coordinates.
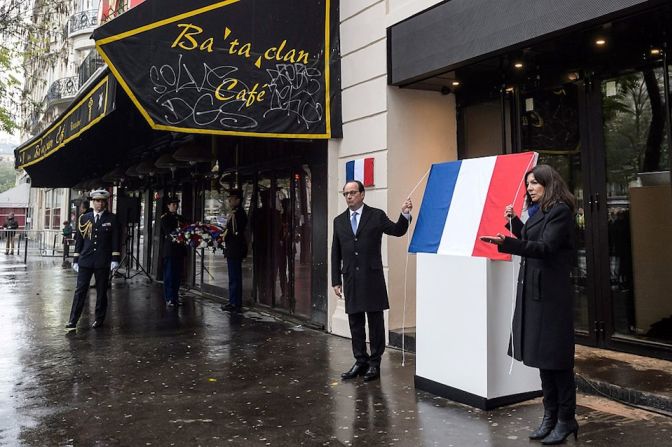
(199, 376)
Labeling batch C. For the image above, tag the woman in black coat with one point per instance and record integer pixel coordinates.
(543, 322)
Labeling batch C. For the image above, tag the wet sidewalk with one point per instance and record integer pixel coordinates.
(199, 376)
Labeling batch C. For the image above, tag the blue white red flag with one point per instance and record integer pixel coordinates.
(360, 169)
(465, 200)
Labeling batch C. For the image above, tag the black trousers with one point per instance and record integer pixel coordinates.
(83, 281)
(559, 392)
(376, 336)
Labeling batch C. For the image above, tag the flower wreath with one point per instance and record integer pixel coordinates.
(200, 235)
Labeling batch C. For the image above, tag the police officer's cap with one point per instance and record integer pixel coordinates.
(172, 199)
(236, 193)
(99, 194)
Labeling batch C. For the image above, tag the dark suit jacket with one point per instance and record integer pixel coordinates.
(236, 242)
(96, 246)
(169, 223)
(543, 322)
(356, 259)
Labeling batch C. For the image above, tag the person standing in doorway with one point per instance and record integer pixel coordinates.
(357, 274)
(97, 252)
(11, 225)
(173, 253)
(236, 250)
(543, 321)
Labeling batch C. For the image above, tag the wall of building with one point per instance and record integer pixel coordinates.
(384, 122)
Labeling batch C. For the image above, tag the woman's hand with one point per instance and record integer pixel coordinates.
(497, 240)
(509, 213)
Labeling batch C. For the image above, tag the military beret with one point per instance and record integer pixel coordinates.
(172, 199)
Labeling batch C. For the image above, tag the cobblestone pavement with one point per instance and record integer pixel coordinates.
(199, 376)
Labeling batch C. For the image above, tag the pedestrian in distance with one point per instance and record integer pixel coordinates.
(543, 321)
(172, 253)
(97, 252)
(10, 226)
(357, 274)
(67, 237)
(236, 250)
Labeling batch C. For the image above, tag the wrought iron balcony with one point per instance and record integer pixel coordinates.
(63, 88)
(82, 20)
(89, 66)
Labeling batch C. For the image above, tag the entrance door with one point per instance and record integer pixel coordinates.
(636, 213)
(282, 240)
(553, 122)
(609, 141)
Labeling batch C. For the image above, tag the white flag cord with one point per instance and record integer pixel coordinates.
(403, 316)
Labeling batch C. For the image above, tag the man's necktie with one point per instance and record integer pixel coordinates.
(97, 217)
(353, 222)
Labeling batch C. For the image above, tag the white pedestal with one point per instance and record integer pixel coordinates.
(464, 311)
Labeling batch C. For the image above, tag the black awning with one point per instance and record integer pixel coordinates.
(460, 32)
(86, 140)
(261, 68)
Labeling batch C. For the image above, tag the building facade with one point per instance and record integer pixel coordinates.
(423, 82)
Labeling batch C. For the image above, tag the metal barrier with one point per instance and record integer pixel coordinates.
(45, 243)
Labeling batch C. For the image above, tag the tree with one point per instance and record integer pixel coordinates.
(28, 31)
(7, 176)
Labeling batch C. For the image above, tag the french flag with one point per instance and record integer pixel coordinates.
(360, 169)
(465, 200)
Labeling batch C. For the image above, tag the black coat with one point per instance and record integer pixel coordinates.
(543, 322)
(358, 259)
(96, 246)
(169, 223)
(236, 242)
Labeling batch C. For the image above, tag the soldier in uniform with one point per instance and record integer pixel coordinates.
(97, 252)
(173, 253)
(236, 250)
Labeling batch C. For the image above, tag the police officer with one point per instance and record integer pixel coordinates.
(173, 253)
(97, 251)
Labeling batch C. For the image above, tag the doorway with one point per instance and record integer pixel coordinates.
(609, 139)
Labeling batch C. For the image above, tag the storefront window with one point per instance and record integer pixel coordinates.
(639, 201)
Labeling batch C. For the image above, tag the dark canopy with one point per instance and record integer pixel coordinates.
(265, 68)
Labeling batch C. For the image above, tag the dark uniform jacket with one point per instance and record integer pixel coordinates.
(169, 223)
(96, 246)
(358, 259)
(543, 322)
(11, 224)
(235, 240)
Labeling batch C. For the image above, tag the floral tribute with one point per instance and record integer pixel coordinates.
(200, 235)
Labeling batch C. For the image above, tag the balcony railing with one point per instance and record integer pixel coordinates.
(82, 20)
(63, 88)
(89, 66)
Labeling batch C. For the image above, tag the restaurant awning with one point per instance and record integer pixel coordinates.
(260, 68)
(85, 140)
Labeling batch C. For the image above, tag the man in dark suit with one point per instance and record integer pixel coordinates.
(172, 253)
(97, 252)
(356, 258)
(236, 250)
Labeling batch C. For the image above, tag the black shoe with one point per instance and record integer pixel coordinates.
(228, 307)
(70, 326)
(372, 373)
(97, 324)
(546, 426)
(358, 369)
(561, 431)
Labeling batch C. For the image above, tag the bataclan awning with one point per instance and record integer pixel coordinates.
(260, 68)
(92, 135)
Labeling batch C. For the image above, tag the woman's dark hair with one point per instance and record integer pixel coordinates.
(555, 188)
